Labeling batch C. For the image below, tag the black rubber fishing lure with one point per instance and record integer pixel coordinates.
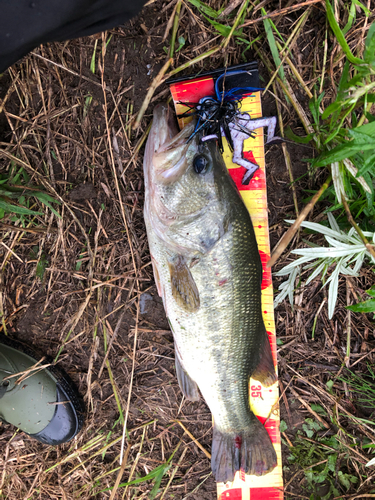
(215, 114)
(213, 118)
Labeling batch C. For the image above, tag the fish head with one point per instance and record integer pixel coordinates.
(185, 200)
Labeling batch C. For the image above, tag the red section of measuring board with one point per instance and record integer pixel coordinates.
(264, 401)
(267, 277)
(233, 494)
(257, 182)
(192, 90)
(253, 494)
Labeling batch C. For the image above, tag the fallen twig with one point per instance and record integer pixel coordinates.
(195, 440)
(353, 223)
(154, 85)
(279, 12)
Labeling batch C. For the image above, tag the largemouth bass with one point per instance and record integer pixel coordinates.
(208, 272)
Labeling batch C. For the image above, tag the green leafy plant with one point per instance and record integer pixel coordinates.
(337, 130)
(318, 456)
(344, 142)
(269, 26)
(181, 42)
(362, 387)
(16, 197)
(42, 262)
(367, 306)
(155, 475)
(213, 17)
(346, 254)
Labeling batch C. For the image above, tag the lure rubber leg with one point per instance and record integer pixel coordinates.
(242, 129)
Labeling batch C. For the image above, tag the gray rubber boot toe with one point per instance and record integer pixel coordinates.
(41, 402)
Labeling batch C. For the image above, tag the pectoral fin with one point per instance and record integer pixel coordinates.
(187, 385)
(184, 288)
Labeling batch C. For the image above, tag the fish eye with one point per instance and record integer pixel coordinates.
(200, 164)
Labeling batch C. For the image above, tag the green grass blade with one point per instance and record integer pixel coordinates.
(369, 53)
(351, 18)
(339, 35)
(222, 29)
(314, 105)
(360, 137)
(205, 9)
(296, 138)
(273, 47)
(365, 9)
(107, 42)
(344, 77)
(92, 64)
(47, 200)
(334, 106)
(52, 209)
(174, 29)
(274, 28)
(151, 475)
(158, 479)
(341, 152)
(15, 209)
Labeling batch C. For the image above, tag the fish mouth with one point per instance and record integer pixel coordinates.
(164, 125)
(166, 152)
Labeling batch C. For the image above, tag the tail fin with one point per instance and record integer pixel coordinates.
(250, 450)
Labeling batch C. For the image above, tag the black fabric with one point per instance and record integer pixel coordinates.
(25, 24)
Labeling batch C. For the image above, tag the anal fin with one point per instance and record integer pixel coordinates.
(187, 385)
(265, 371)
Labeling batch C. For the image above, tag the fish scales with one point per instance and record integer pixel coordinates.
(208, 272)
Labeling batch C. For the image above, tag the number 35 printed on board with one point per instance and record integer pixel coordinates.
(256, 391)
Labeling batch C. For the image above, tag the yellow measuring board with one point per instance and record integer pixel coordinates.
(264, 401)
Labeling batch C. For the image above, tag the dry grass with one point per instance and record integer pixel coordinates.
(77, 135)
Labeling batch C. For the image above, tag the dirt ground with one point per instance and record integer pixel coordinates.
(95, 305)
